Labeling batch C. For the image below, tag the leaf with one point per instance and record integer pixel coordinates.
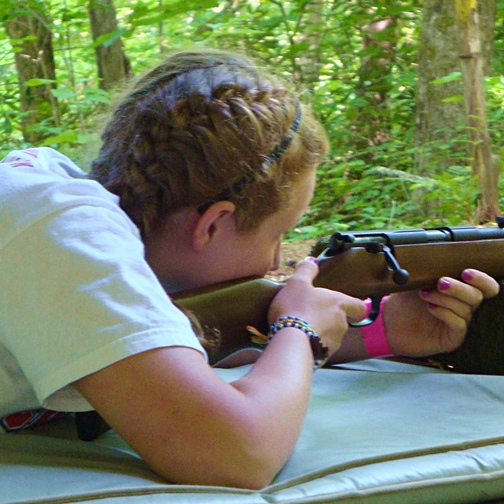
(69, 136)
(62, 94)
(453, 99)
(107, 39)
(451, 77)
(38, 82)
(142, 15)
(19, 42)
(96, 95)
(7, 9)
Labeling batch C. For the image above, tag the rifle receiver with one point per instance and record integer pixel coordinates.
(385, 242)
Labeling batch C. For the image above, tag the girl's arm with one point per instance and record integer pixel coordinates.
(194, 428)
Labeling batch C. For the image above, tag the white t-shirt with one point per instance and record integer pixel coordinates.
(76, 293)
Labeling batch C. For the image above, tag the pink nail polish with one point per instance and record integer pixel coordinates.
(312, 259)
(426, 292)
(443, 284)
(467, 275)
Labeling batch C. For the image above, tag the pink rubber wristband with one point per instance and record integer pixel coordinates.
(374, 335)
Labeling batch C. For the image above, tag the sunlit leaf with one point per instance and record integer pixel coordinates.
(68, 137)
(453, 99)
(38, 82)
(107, 39)
(452, 77)
(62, 94)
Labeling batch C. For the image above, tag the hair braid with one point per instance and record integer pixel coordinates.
(193, 128)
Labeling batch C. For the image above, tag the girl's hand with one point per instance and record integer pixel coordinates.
(435, 321)
(327, 311)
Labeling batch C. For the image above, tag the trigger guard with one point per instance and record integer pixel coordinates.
(373, 313)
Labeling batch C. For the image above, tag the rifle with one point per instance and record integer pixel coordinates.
(361, 264)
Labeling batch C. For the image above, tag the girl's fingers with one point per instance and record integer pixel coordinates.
(438, 303)
(486, 284)
(328, 300)
(449, 317)
(460, 297)
(355, 309)
(306, 270)
(460, 291)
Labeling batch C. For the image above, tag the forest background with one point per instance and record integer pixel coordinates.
(393, 82)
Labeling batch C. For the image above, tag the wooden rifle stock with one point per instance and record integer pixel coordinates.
(365, 264)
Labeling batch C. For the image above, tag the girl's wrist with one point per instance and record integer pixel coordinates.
(319, 350)
(374, 335)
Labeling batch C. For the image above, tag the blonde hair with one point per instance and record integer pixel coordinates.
(201, 127)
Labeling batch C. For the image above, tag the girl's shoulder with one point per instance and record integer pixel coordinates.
(44, 159)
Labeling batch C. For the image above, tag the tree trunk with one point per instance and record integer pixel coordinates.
(113, 65)
(487, 13)
(30, 33)
(438, 121)
(474, 93)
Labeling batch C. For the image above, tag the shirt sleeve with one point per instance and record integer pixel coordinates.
(77, 295)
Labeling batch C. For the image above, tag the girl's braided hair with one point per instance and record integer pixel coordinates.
(201, 127)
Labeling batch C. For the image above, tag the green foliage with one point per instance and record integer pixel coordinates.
(370, 179)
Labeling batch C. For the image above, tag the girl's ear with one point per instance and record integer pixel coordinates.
(217, 220)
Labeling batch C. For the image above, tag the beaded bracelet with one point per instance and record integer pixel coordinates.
(319, 350)
(374, 335)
